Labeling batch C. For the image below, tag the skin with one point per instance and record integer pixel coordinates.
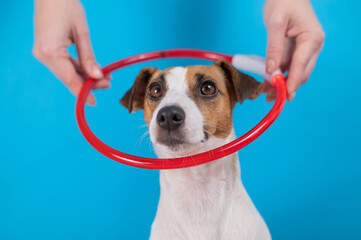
(58, 25)
(295, 39)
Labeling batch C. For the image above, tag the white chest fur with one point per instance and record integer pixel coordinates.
(206, 202)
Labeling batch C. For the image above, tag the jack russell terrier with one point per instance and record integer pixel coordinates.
(189, 110)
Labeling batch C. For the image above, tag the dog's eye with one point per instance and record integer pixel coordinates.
(155, 90)
(208, 88)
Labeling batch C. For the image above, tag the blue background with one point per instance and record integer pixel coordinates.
(303, 174)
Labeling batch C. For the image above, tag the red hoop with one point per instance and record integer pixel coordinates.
(182, 162)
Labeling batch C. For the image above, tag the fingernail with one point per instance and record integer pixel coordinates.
(291, 96)
(91, 100)
(270, 66)
(108, 77)
(97, 72)
(105, 85)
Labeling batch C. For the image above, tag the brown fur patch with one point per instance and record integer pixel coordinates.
(233, 86)
(243, 86)
(216, 111)
(133, 99)
(150, 105)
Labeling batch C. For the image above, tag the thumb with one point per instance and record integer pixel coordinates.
(86, 56)
(275, 47)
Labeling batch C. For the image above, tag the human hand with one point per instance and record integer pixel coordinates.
(295, 39)
(59, 24)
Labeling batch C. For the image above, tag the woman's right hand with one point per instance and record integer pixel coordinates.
(59, 24)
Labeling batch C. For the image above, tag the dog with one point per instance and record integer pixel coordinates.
(188, 110)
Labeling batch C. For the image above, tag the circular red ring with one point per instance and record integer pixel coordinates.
(181, 162)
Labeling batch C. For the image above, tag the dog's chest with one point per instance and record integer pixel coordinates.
(197, 197)
(197, 191)
(209, 203)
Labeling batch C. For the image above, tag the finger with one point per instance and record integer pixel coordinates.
(266, 86)
(275, 44)
(102, 83)
(75, 87)
(303, 53)
(291, 96)
(311, 65)
(289, 48)
(87, 58)
(271, 96)
(85, 52)
(108, 77)
(308, 70)
(79, 69)
(64, 69)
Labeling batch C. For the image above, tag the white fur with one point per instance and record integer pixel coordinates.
(204, 202)
(177, 95)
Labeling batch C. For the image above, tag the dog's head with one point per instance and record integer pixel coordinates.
(186, 107)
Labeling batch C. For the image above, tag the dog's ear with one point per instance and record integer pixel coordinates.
(242, 85)
(133, 99)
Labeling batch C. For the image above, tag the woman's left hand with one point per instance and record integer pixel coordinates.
(295, 39)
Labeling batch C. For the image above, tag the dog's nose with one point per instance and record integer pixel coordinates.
(170, 117)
